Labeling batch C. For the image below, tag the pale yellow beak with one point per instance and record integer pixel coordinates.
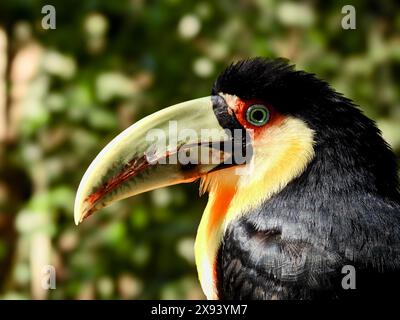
(139, 159)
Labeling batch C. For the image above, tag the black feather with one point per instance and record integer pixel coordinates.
(343, 209)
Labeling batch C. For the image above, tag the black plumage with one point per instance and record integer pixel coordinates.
(344, 209)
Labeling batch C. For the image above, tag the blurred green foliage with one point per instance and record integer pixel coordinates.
(108, 64)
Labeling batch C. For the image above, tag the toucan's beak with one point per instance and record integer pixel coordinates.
(175, 145)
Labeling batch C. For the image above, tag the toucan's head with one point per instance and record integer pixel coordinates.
(260, 129)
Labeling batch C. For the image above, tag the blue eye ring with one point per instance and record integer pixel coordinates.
(257, 115)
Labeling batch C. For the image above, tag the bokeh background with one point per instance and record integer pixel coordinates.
(65, 93)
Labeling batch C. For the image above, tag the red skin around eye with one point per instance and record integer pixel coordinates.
(241, 109)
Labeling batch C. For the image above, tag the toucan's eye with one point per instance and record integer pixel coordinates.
(257, 114)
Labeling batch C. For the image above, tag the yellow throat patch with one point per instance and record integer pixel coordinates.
(280, 154)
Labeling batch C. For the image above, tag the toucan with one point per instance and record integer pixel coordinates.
(303, 191)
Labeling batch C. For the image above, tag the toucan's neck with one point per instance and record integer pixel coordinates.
(351, 158)
(281, 154)
(222, 188)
